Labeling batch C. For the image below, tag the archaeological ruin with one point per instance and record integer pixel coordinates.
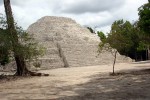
(68, 44)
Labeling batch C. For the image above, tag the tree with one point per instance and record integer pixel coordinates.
(144, 25)
(101, 35)
(91, 29)
(144, 17)
(21, 43)
(104, 45)
(129, 36)
(4, 48)
(121, 37)
(21, 66)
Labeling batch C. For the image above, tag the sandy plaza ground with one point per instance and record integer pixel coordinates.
(82, 83)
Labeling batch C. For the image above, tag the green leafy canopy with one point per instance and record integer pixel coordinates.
(27, 46)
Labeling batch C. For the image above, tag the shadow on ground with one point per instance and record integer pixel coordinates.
(133, 85)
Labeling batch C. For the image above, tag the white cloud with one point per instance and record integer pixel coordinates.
(101, 13)
(91, 6)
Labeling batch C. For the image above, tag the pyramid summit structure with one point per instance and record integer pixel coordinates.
(69, 44)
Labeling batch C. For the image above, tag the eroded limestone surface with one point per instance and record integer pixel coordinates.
(69, 44)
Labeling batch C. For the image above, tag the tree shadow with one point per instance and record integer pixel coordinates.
(132, 85)
(142, 62)
(10, 78)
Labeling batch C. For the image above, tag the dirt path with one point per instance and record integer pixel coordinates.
(83, 83)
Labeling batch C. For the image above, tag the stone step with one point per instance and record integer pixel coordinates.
(50, 60)
(57, 38)
(52, 66)
(46, 66)
(48, 44)
(52, 51)
(55, 56)
(48, 63)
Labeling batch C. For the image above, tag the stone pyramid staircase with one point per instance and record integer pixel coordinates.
(52, 57)
(68, 44)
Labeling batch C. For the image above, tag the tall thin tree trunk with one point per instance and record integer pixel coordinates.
(114, 62)
(148, 53)
(19, 58)
(135, 56)
(20, 62)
